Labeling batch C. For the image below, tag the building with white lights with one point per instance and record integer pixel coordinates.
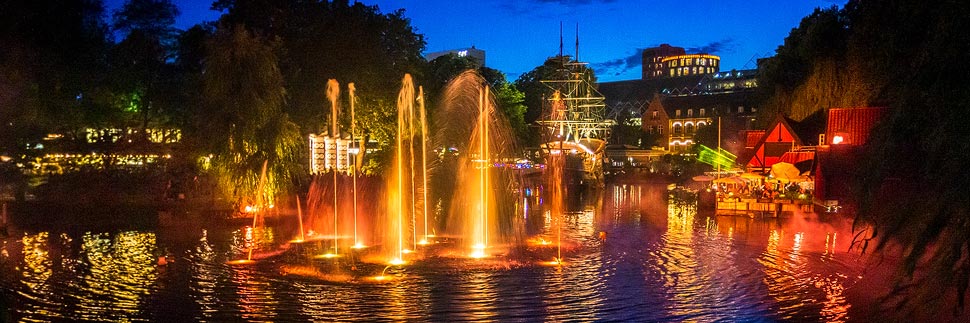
(476, 54)
(328, 153)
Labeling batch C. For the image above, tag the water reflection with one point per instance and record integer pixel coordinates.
(35, 272)
(256, 299)
(120, 271)
(631, 255)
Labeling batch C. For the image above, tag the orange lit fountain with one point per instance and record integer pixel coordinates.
(406, 193)
(351, 92)
(556, 162)
(472, 115)
(333, 92)
(400, 206)
(258, 220)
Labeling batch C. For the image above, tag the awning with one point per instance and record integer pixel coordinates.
(795, 157)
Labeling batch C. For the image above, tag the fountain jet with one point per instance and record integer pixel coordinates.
(333, 92)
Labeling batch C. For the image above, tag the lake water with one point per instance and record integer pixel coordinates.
(653, 262)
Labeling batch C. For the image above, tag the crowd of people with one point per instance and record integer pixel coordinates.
(764, 190)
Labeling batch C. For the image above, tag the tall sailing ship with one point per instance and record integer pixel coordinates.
(573, 122)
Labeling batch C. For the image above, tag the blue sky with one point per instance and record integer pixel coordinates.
(519, 35)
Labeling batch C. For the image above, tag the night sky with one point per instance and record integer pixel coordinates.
(519, 35)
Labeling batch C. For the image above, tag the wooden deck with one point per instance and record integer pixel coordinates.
(763, 207)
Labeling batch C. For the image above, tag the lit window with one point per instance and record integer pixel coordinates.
(740, 109)
(678, 112)
(702, 112)
(690, 112)
(654, 115)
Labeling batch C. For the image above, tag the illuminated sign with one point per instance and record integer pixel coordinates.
(837, 140)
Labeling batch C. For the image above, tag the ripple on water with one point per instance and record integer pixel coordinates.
(668, 267)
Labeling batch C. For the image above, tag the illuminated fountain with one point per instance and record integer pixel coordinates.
(351, 92)
(424, 165)
(556, 163)
(333, 91)
(331, 216)
(258, 217)
(472, 115)
(400, 221)
(299, 218)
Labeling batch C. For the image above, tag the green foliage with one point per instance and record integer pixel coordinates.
(244, 97)
(322, 40)
(812, 70)
(510, 100)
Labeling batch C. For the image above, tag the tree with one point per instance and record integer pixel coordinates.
(151, 17)
(914, 192)
(243, 112)
(811, 70)
(322, 40)
(51, 63)
(144, 83)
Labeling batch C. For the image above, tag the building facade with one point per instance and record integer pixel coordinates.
(655, 120)
(675, 120)
(328, 153)
(692, 64)
(652, 60)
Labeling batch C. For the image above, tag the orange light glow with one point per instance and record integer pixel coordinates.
(539, 242)
(396, 262)
(359, 246)
(554, 262)
(379, 278)
(328, 256)
(241, 262)
(478, 251)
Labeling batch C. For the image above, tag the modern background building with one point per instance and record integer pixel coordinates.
(652, 61)
(671, 61)
(691, 64)
(674, 108)
(472, 52)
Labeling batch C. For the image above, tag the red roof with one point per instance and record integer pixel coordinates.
(779, 139)
(751, 137)
(853, 125)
